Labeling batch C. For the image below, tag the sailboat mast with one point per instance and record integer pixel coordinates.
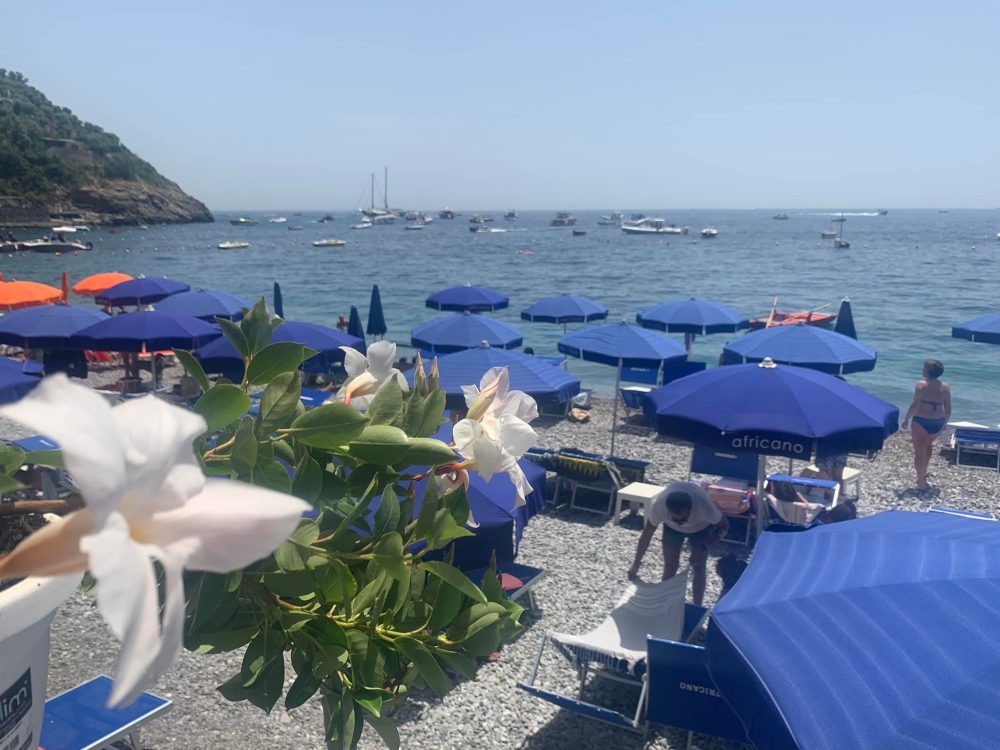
(373, 190)
(386, 188)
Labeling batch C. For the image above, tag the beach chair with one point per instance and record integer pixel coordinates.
(516, 580)
(733, 479)
(820, 494)
(616, 649)
(594, 472)
(980, 448)
(633, 398)
(79, 720)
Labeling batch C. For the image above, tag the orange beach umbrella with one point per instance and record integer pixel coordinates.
(17, 294)
(99, 282)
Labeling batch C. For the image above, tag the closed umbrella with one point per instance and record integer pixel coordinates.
(355, 329)
(621, 345)
(453, 333)
(692, 317)
(140, 291)
(985, 329)
(14, 382)
(883, 632)
(64, 287)
(203, 304)
(804, 346)
(537, 378)
(468, 298)
(17, 294)
(46, 326)
(376, 316)
(93, 285)
(845, 320)
(279, 304)
(564, 308)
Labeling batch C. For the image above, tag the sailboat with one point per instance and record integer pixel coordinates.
(840, 243)
(380, 215)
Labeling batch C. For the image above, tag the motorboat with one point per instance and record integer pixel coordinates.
(411, 216)
(828, 234)
(998, 235)
(294, 228)
(563, 219)
(803, 317)
(709, 233)
(233, 245)
(841, 244)
(243, 221)
(383, 219)
(615, 218)
(780, 217)
(477, 219)
(365, 224)
(53, 245)
(883, 212)
(277, 220)
(510, 215)
(446, 213)
(478, 229)
(329, 243)
(414, 227)
(324, 219)
(651, 226)
(579, 232)
(64, 230)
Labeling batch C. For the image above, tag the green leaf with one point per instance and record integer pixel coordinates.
(371, 591)
(491, 587)
(244, 455)
(433, 414)
(193, 368)
(428, 452)
(308, 480)
(45, 458)
(454, 578)
(447, 604)
(387, 515)
(11, 458)
(219, 642)
(337, 585)
(445, 530)
(389, 554)
(295, 583)
(234, 333)
(484, 641)
(221, 405)
(384, 408)
(277, 405)
(386, 729)
(272, 474)
(9, 484)
(380, 444)
(428, 512)
(459, 663)
(275, 359)
(413, 413)
(371, 700)
(303, 688)
(256, 327)
(426, 665)
(329, 426)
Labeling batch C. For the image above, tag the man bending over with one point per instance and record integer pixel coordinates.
(686, 513)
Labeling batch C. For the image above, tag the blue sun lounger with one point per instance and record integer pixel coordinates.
(79, 720)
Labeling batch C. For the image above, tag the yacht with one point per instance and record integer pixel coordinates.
(478, 228)
(243, 221)
(615, 218)
(563, 219)
(710, 233)
(410, 216)
(510, 215)
(233, 245)
(446, 213)
(477, 219)
(365, 224)
(780, 217)
(329, 243)
(382, 219)
(277, 220)
(651, 226)
(325, 219)
(53, 245)
(883, 212)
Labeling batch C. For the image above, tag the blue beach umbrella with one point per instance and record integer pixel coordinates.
(883, 632)
(46, 326)
(621, 345)
(279, 304)
(564, 308)
(203, 304)
(468, 298)
(149, 331)
(376, 316)
(14, 382)
(803, 346)
(355, 329)
(696, 316)
(140, 291)
(537, 378)
(985, 329)
(453, 333)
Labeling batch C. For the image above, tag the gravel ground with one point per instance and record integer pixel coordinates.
(585, 556)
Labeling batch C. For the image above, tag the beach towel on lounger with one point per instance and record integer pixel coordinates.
(619, 642)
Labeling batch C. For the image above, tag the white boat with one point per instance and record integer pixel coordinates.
(563, 219)
(446, 213)
(998, 235)
(828, 234)
(51, 245)
(383, 215)
(294, 228)
(363, 225)
(510, 215)
(709, 233)
(243, 221)
(64, 230)
(615, 218)
(414, 227)
(477, 219)
(383, 219)
(780, 217)
(329, 243)
(411, 216)
(233, 245)
(650, 226)
(277, 220)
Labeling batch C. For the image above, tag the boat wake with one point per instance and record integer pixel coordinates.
(844, 213)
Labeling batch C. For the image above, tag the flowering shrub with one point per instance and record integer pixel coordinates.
(346, 589)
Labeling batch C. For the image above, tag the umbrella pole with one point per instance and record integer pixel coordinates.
(761, 501)
(614, 410)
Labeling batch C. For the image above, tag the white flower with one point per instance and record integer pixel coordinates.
(496, 432)
(367, 374)
(146, 499)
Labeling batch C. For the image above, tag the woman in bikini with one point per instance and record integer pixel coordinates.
(930, 412)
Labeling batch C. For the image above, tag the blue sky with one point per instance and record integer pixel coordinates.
(667, 103)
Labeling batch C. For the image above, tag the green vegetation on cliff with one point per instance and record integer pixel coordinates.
(46, 151)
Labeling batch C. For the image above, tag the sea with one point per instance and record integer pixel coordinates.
(910, 276)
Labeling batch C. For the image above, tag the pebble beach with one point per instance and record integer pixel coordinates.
(585, 556)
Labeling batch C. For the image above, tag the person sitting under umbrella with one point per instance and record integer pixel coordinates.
(686, 512)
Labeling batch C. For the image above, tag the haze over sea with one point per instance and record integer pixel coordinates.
(910, 276)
